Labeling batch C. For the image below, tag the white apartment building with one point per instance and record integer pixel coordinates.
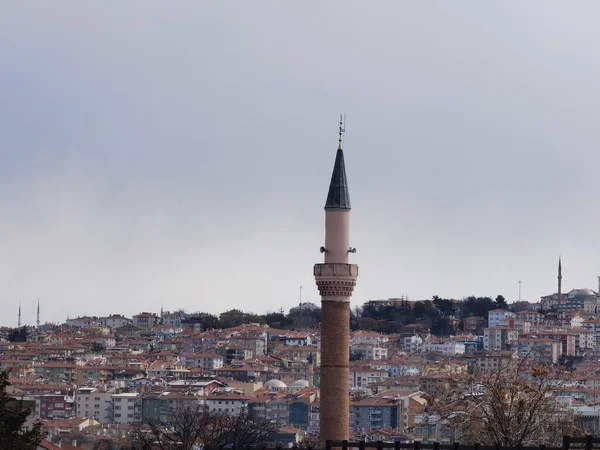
(499, 337)
(498, 317)
(105, 341)
(402, 369)
(368, 337)
(126, 408)
(362, 377)
(594, 326)
(412, 344)
(369, 352)
(227, 401)
(92, 403)
(115, 321)
(585, 339)
(300, 339)
(446, 348)
(577, 321)
(204, 361)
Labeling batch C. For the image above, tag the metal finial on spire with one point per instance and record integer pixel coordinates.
(338, 196)
(342, 130)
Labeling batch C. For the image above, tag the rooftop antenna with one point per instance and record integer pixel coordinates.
(342, 130)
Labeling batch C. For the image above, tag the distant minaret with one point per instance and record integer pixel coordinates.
(38, 315)
(336, 279)
(559, 280)
(19, 319)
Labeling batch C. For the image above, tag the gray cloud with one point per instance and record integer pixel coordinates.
(181, 154)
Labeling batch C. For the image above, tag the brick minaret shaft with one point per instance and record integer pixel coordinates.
(336, 279)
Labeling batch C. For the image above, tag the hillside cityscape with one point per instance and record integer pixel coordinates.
(95, 379)
(171, 172)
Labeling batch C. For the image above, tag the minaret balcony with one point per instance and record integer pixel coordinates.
(336, 281)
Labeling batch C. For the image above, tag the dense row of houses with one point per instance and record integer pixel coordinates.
(117, 372)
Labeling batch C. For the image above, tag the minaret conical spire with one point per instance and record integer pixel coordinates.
(338, 196)
(19, 319)
(38, 314)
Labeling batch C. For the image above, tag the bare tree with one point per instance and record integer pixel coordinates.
(189, 428)
(510, 406)
(310, 441)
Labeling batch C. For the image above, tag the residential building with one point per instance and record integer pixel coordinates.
(115, 321)
(205, 361)
(298, 339)
(56, 371)
(54, 406)
(445, 348)
(594, 326)
(305, 306)
(227, 401)
(533, 317)
(541, 350)
(126, 408)
(473, 324)
(368, 352)
(430, 428)
(499, 337)
(493, 361)
(376, 413)
(362, 377)
(368, 337)
(145, 320)
(94, 403)
(498, 317)
(412, 344)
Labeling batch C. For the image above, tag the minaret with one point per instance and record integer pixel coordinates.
(19, 319)
(336, 279)
(559, 280)
(38, 315)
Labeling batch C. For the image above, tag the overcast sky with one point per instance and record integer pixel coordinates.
(155, 152)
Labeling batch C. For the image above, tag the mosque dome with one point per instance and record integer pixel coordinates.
(582, 293)
(275, 384)
(300, 384)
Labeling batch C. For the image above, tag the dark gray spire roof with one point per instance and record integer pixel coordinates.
(338, 196)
